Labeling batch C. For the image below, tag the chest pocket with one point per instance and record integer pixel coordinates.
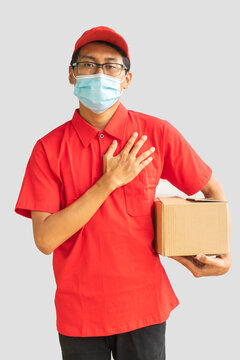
(140, 192)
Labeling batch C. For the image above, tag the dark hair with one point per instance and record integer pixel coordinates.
(126, 61)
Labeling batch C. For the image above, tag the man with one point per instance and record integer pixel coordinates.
(89, 188)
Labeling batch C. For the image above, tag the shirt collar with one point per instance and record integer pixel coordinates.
(115, 127)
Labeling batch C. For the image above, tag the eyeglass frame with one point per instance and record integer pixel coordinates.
(99, 65)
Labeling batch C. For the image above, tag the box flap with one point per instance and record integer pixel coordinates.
(170, 200)
(205, 200)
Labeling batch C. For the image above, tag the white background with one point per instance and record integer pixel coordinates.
(185, 65)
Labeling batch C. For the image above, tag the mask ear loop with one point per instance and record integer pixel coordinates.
(74, 74)
(123, 78)
(121, 82)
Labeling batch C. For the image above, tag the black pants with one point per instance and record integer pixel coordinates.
(146, 343)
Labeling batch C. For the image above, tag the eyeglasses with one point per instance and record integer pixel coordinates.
(86, 68)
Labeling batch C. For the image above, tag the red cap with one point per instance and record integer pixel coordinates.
(102, 33)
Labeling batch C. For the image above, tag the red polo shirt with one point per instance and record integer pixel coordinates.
(109, 278)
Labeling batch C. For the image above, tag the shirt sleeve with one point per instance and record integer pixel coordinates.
(182, 166)
(40, 187)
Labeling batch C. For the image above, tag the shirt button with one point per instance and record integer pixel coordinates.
(101, 136)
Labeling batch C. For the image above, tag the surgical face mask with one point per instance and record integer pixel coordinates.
(97, 92)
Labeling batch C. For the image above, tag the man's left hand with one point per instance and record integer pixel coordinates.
(204, 265)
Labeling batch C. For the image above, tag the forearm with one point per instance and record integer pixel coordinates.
(60, 226)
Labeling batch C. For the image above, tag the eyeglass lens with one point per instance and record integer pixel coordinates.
(85, 68)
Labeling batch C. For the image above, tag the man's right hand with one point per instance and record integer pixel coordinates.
(126, 166)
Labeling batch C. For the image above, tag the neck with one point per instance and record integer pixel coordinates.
(99, 121)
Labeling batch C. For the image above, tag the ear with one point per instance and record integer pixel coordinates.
(125, 84)
(71, 78)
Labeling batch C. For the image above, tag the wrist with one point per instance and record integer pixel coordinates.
(108, 182)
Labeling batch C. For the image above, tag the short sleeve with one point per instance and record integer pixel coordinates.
(40, 187)
(182, 166)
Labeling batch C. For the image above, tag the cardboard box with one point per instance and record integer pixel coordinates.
(190, 226)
